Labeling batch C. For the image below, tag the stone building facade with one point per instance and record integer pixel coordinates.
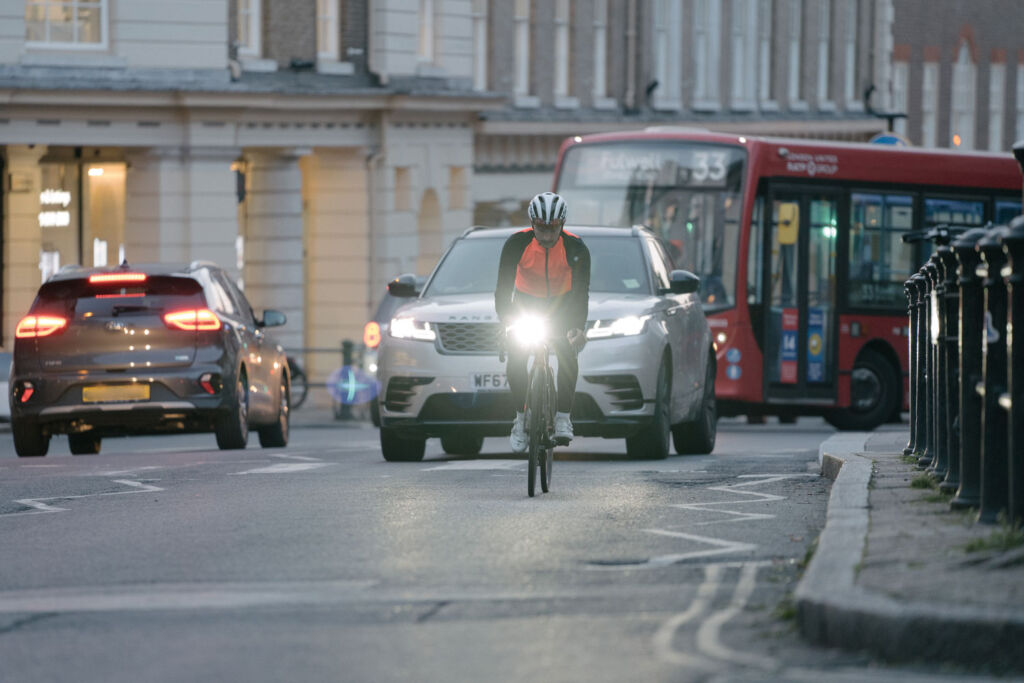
(317, 148)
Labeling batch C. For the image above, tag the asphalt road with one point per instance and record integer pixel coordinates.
(164, 559)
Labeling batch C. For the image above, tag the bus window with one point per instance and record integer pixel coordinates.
(754, 295)
(938, 211)
(879, 260)
(1006, 211)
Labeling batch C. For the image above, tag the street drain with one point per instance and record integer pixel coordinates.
(617, 563)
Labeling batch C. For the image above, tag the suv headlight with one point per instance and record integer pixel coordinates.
(410, 328)
(619, 327)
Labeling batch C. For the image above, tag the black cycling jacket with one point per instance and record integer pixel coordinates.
(555, 281)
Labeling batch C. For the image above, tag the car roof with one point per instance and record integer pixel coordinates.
(74, 272)
(584, 231)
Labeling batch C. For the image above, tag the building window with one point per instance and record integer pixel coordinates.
(327, 31)
(744, 53)
(824, 54)
(426, 48)
(522, 51)
(668, 55)
(900, 71)
(480, 44)
(562, 48)
(850, 56)
(249, 28)
(706, 51)
(1020, 101)
(794, 37)
(996, 100)
(600, 48)
(67, 23)
(963, 99)
(765, 57)
(930, 105)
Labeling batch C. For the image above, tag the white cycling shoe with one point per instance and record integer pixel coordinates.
(563, 428)
(517, 439)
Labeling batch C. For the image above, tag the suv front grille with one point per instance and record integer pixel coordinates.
(469, 337)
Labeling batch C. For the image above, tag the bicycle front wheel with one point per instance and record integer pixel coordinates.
(534, 429)
(547, 455)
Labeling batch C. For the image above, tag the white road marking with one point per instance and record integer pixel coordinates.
(40, 508)
(666, 633)
(722, 547)
(708, 634)
(117, 473)
(294, 457)
(478, 465)
(739, 516)
(286, 468)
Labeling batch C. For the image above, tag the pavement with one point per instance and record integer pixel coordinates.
(892, 573)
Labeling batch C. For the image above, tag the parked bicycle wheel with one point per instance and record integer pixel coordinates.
(299, 388)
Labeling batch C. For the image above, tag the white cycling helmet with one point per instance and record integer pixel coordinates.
(547, 207)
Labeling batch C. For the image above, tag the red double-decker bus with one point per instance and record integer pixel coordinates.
(798, 247)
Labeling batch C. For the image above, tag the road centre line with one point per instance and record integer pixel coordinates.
(40, 508)
(285, 468)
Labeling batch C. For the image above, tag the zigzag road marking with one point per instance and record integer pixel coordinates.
(739, 516)
(40, 508)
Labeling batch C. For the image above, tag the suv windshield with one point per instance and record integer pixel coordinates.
(471, 266)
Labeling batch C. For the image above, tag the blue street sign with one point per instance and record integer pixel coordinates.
(351, 386)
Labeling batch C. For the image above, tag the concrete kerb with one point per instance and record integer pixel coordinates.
(832, 610)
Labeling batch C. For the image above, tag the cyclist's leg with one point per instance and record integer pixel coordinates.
(517, 381)
(568, 370)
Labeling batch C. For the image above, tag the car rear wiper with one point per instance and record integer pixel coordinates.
(127, 308)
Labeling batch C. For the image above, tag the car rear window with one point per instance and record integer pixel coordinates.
(80, 299)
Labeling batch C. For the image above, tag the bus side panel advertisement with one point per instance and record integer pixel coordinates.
(790, 327)
(815, 345)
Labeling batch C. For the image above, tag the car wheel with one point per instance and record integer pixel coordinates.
(653, 441)
(233, 427)
(276, 435)
(875, 393)
(375, 413)
(29, 439)
(397, 448)
(462, 444)
(84, 444)
(698, 437)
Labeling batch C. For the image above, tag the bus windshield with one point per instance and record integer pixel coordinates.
(687, 193)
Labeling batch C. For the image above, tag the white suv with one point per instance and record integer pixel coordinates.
(647, 371)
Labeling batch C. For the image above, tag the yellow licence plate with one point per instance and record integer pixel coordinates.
(107, 393)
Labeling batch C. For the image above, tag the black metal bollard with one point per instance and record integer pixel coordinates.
(994, 490)
(910, 289)
(928, 271)
(1013, 246)
(972, 324)
(940, 445)
(949, 347)
(919, 412)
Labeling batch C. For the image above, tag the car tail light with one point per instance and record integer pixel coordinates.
(192, 320)
(114, 278)
(210, 382)
(371, 334)
(39, 326)
(23, 391)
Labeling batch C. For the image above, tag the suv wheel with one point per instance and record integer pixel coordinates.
(29, 439)
(698, 436)
(276, 435)
(399, 449)
(232, 428)
(84, 444)
(653, 441)
(462, 444)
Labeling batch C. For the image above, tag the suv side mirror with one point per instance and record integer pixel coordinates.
(404, 286)
(272, 318)
(683, 282)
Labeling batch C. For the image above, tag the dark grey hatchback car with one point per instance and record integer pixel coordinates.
(146, 349)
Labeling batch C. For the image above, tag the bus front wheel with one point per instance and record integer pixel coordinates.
(874, 394)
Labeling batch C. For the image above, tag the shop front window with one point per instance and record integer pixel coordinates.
(81, 215)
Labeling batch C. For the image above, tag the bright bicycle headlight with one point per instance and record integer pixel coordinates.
(410, 328)
(629, 326)
(529, 330)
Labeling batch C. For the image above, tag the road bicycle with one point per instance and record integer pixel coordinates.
(531, 333)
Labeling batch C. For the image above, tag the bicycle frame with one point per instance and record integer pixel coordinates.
(541, 399)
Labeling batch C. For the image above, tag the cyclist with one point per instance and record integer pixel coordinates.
(546, 271)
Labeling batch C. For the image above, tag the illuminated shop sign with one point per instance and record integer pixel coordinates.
(51, 218)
